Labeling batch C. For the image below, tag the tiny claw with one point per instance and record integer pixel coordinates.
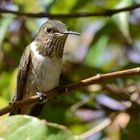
(12, 102)
(42, 97)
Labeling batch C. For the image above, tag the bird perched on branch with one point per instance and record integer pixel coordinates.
(40, 65)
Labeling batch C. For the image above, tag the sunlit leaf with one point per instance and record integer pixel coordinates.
(4, 83)
(59, 4)
(59, 132)
(28, 5)
(95, 53)
(3, 102)
(26, 127)
(12, 84)
(4, 26)
(122, 19)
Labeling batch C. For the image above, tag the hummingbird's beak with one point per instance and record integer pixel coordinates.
(71, 32)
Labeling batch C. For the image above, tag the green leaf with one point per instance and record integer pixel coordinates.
(59, 132)
(4, 83)
(4, 26)
(59, 4)
(122, 19)
(22, 127)
(26, 127)
(132, 130)
(3, 102)
(12, 84)
(28, 5)
(94, 56)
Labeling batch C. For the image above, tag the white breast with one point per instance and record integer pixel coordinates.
(46, 71)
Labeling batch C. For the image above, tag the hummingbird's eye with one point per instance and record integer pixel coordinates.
(50, 30)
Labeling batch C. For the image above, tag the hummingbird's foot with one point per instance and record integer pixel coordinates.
(13, 101)
(42, 97)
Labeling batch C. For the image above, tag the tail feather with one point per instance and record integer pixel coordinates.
(35, 110)
(14, 112)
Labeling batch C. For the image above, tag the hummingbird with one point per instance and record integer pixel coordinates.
(41, 63)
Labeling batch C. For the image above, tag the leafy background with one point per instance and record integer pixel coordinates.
(108, 110)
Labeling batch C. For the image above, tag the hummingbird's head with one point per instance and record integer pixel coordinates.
(53, 28)
(52, 37)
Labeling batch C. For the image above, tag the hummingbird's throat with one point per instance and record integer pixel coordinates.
(52, 47)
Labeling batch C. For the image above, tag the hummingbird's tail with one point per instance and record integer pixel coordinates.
(35, 110)
(14, 111)
(25, 110)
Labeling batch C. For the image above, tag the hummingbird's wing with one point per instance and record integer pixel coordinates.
(22, 73)
(22, 76)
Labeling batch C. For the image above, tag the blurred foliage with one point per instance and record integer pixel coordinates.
(19, 123)
(106, 44)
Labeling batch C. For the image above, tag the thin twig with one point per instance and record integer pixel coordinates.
(106, 12)
(102, 125)
(71, 87)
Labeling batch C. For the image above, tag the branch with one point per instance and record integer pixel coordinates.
(106, 12)
(102, 125)
(71, 87)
